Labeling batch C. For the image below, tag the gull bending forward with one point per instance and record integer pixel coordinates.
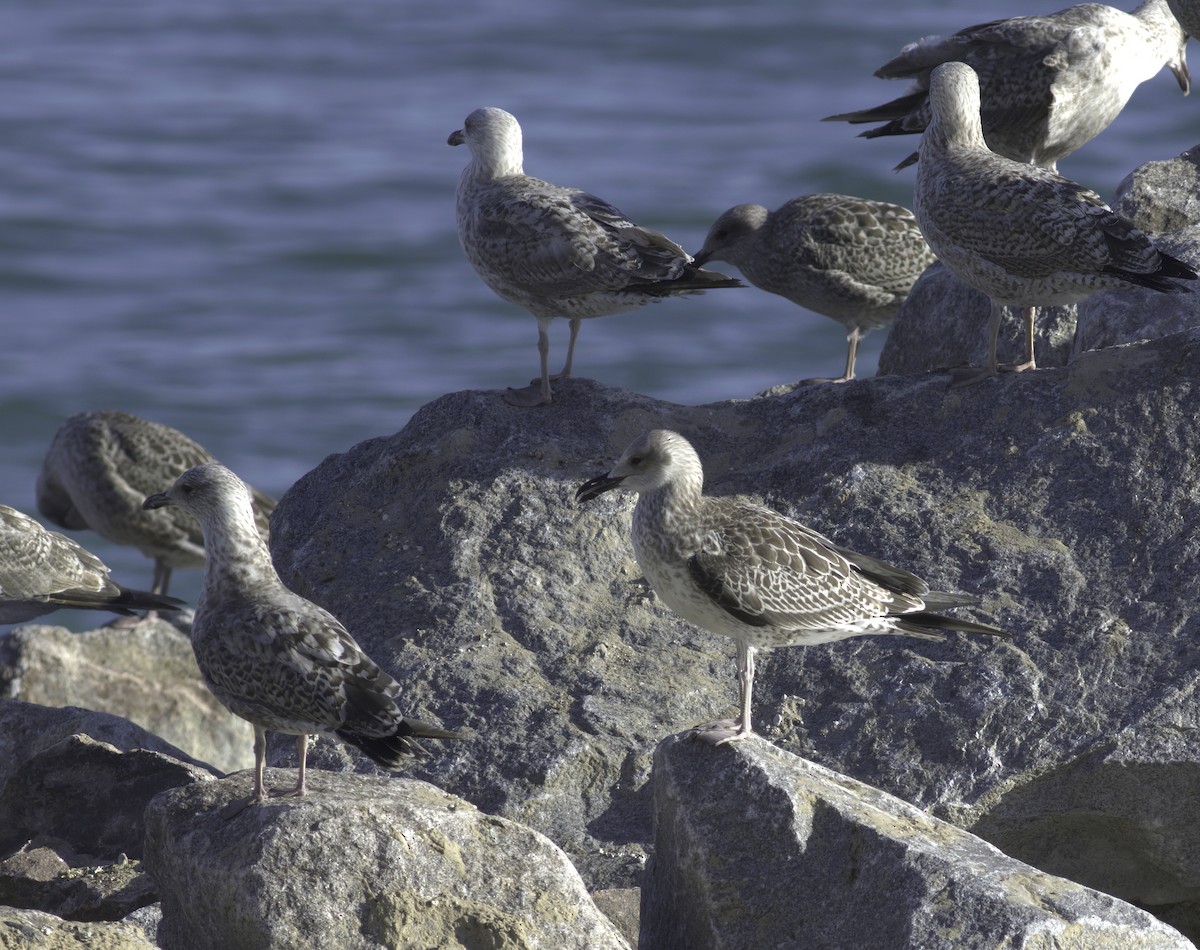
(1050, 83)
(273, 658)
(747, 572)
(1023, 235)
(557, 252)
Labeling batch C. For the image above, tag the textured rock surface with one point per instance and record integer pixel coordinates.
(360, 863)
(1065, 498)
(755, 847)
(24, 929)
(146, 674)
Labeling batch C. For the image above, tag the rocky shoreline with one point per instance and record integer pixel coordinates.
(889, 773)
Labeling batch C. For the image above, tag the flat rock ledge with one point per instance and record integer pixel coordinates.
(362, 862)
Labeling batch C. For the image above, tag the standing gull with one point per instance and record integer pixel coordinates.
(557, 252)
(1023, 235)
(273, 658)
(748, 572)
(42, 570)
(1050, 83)
(852, 259)
(99, 468)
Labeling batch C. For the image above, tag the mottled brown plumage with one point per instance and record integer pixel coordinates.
(272, 657)
(747, 572)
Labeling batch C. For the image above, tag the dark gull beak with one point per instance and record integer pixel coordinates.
(456, 138)
(156, 501)
(597, 486)
(1183, 75)
(702, 257)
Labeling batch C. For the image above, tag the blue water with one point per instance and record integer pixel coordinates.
(237, 217)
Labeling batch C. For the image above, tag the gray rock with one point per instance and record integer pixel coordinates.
(361, 862)
(23, 929)
(755, 847)
(146, 673)
(1162, 198)
(39, 878)
(89, 794)
(1065, 498)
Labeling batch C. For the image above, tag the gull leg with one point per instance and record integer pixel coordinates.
(536, 393)
(851, 355)
(236, 807)
(566, 370)
(299, 790)
(733, 730)
(972, 376)
(1030, 313)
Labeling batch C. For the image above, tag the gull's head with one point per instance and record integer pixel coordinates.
(728, 231)
(1179, 67)
(654, 459)
(206, 491)
(494, 138)
(954, 102)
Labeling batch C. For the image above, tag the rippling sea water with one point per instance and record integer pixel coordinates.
(237, 218)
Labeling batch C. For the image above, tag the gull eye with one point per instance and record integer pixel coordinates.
(636, 460)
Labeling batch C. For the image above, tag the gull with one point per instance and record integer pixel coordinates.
(272, 657)
(1023, 235)
(748, 572)
(42, 571)
(1050, 83)
(557, 252)
(99, 468)
(851, 259)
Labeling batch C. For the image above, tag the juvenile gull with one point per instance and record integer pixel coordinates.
(42, 571)
(99, 468)
(852, 259)
(273, 658)
(1050, 83)
(1021, 234)
(748, 572)
(557, 252)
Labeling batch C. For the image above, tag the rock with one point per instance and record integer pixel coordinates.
(89, 794)
(1065, 498)
(755, 847)
(40, 879)
(1163, 199)
(23, 929)
(146, 673)
(361, 862)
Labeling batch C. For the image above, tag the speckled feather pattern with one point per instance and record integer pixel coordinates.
(1023, 235)
(558, 251)
(851, 259)
(272, 657)
(100, 467)
(1051, 83)
(749, 572)
(42, 570)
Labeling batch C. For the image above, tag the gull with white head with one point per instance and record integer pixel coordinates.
(748, 572)
(1023, 235)
(558, 252)
(274, 658)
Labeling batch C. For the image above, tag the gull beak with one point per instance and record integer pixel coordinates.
(1183, 75)
(597, 486)
(702, 257)
(156, 501)
(456, 138)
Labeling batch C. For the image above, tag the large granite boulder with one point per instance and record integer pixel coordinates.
(362, 862)
(24, 929)
(456, 553)
(145, 673)
(755, 847)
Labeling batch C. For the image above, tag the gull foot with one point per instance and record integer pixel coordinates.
(720, 732)
(825, 379)
(1017, 367)
(528, 397)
